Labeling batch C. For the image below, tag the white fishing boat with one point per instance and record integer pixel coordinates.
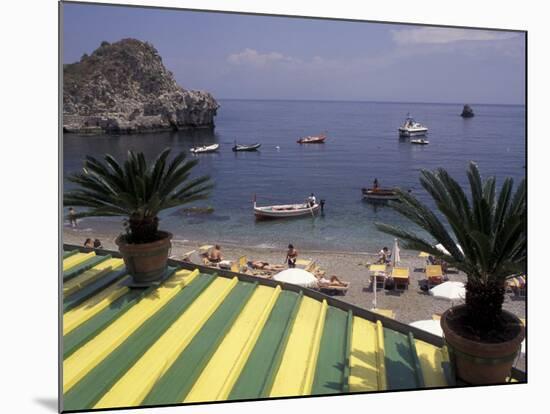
(420, 141)
(205, 149)
(411, 128)
(286, 210)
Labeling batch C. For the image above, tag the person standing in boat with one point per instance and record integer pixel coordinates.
(291, 256)
(375, 184)
(311, 200)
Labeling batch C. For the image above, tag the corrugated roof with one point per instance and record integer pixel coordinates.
(201, 337)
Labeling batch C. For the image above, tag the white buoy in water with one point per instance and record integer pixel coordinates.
(278, 148)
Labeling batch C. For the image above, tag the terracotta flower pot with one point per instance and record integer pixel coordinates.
(481, 362)
(146, 262)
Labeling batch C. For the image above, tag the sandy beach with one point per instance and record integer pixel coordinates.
(410, 305)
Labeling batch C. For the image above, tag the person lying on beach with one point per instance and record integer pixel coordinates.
(333, 281)
(215, 255)
(291, 256)
(259, 265)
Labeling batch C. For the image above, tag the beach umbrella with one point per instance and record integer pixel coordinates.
(396, 257)
(449, 290)
(445, 251)
(298, 277)
(429, 325)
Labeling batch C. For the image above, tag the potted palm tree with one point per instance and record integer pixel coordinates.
(138, 191)
(485, 236)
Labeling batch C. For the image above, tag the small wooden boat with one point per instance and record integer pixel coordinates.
(205, 149)
(313, 139)
(420, 141)
(286, 210)
(379, 194)
(243, 147)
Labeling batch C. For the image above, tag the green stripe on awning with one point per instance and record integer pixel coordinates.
(99, 380)
(90, 290)
(331, 363)
(400, 364)
(69, 253)
(176, 383)
(259, 371)
(88, 264)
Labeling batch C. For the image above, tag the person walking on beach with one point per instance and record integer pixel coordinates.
(72, 217)
(291, 256)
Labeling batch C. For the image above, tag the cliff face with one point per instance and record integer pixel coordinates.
(124, 88)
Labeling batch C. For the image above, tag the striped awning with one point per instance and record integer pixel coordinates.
(201, 337)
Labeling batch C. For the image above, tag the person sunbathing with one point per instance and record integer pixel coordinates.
(260, 265)
(215, 255)
(333, 281)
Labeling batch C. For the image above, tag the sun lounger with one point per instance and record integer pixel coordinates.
(518, 285)
(388, 313)
(205, 248)
(434, 274)
(306, 264)
(334, 289)
(400, 276)
(378, 275)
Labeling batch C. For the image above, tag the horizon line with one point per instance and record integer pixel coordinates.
(367, 101)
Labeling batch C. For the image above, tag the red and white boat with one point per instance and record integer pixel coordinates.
(312, 139)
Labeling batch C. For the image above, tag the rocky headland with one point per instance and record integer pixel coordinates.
(124, 87)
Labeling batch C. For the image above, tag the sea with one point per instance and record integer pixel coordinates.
(362, 144)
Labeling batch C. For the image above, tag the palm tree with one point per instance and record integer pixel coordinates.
(136, 190)
(490, 228)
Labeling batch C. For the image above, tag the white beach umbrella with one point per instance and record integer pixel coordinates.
(429, 325)
(396, 253)
(449, 290)
(445, 251)
(298, 277)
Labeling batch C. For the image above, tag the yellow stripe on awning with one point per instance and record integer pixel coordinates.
(81, 362)
(367, 370)
(138, 381)
(91, 275)
(76, 259)
(431, 359)
(91, 307)
(295, 375)
(219, 376)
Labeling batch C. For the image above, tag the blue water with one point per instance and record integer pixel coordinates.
(362, 144)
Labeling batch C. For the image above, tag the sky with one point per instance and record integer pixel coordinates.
(264, 57)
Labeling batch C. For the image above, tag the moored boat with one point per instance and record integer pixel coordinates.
(313, 139)
(286, 210)
(420, 141)
(244, 147)
(411, 128)
(467, 112)
(379, 194)
(205, 149)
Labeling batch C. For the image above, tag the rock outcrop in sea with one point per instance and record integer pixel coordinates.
(467, 112)
(124, 87)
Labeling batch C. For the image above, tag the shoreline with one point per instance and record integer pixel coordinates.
(410, 305)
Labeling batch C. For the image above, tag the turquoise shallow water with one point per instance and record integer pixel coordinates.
(363, 144)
